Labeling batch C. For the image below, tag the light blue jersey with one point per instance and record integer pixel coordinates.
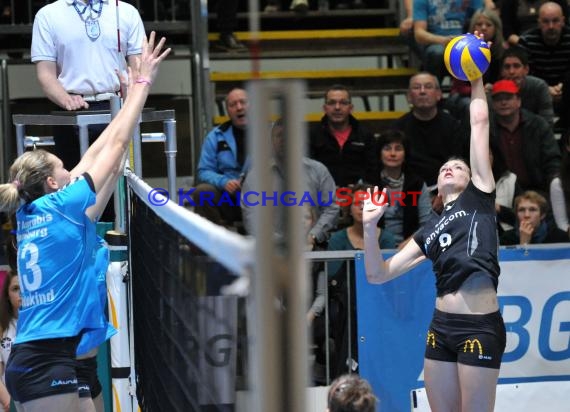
(93, 338)
(56, 245)
(445, 17)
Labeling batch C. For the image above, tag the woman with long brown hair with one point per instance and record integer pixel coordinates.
(10, 301)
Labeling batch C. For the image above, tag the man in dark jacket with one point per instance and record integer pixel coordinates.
(548, 48)
(525, 139)
(341, 143)
(433, 134)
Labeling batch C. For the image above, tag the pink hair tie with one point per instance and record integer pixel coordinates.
(143, 80)
(16, 183)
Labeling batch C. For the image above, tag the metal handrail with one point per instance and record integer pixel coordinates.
(84, 119)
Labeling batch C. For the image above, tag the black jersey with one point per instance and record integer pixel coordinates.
(463, 240)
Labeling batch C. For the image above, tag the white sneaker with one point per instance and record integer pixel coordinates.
(299, 6)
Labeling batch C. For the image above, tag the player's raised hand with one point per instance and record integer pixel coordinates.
(374, 206)
(151, 57)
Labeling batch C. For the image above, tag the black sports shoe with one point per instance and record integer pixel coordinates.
(229, 42)
(342, 5)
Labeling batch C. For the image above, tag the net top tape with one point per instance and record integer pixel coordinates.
(232, 250)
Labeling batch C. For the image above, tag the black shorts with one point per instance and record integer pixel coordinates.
(87, 381)
(42, 368)
(477, 340)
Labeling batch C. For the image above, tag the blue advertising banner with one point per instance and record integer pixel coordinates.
(534, 297)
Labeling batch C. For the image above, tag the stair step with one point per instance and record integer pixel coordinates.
(373, 121)
(313, 74)
(312, 34)
(362, 116)
(315, 43)
(317, 19)
(361, 82)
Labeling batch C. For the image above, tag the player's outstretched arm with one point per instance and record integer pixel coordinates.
(481, 172)
(119, 132)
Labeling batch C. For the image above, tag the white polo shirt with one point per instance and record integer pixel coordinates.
(86, 65)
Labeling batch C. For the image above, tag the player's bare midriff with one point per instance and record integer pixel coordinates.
(476, 295)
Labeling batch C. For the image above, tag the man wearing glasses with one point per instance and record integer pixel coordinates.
(341, 143)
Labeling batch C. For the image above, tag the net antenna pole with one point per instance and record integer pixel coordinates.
(279, 354)
(254, 28)
(202, 102)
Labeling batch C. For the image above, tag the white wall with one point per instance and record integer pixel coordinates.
(173, 78)
(316, 400)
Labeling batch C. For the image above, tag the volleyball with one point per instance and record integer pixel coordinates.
(467, 57)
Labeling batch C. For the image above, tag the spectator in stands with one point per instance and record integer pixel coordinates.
(525, 139)
(226, 12)
(318, 183)
(560, 189)
(351, 393)
(533, 91)
(488, 23)
(10, 243)
(406, 215)
(56, 214)
(519, 16)
(10, 302)
(341, 143)
(548, 48)
(342, 307)
(506, 189)
(407, 23)
(435, 24)
(434, 135)
(222, 163)
(407, 30)
(5, 241)
(74, 47)
(533, 228)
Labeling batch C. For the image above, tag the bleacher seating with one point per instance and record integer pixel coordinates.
(317, 43)
(375, 121)
(361, 82)
(388, 77)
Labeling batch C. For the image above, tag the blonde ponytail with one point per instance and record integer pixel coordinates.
(28, 176)
(9, 197)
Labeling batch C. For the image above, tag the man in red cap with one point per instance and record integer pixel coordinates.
(533, 91)
(525, 139)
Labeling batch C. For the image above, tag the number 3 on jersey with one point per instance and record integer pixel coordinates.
(32, 274)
